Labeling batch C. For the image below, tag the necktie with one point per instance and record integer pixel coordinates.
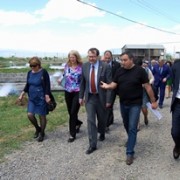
(93, 85)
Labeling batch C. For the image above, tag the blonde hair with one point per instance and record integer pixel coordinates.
(78, 57)
(35, 61)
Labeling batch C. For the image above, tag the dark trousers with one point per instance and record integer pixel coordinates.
(109, 110)
(72, 102)
(160, 89)
(95, 110)
(175, 130)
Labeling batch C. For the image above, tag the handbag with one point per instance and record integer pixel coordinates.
(52, 104)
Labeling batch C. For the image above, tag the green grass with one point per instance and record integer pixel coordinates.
(15, 128)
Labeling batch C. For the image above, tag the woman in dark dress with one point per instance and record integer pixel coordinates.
(38, 89)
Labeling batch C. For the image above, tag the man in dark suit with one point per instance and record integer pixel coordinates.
(161, 73)
(96, 98)
(175, 108)
(152, 64)
(108, 58)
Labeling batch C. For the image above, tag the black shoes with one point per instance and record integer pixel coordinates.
(130, 159)
(71, 139)
(176, 152)
(160, 106)
(41, 137)
(36, 134)
(102, 137)
(90, 150)
(78, 128)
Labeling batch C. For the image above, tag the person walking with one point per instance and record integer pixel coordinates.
(175, 108)
(38, 89)
(152, 64)
(145, 96)
(129, 80)
(108, 58)
(161, 74)
(168, 82)
(72, 75)
(96, 99)
(144, 109)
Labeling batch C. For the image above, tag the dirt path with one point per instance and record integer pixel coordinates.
(56, 159)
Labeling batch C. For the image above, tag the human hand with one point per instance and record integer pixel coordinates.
(21, 96)
(164, 80)
(108, 105)
(81, 102)
(47, 98)
(154, 105)
(103, 85)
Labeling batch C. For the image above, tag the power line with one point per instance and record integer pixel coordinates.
(155, 10)
(122, 17)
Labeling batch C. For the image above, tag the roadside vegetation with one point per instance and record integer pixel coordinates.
(15, 128)
(5, 63)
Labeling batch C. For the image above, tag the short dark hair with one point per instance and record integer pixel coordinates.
(108, 52)
(138, 62)
(94, 50)
(130, 55)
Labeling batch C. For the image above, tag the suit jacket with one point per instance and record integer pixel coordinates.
(158, 77)
(151, 67)
(176, 80)
(104, 74)
(115, 66)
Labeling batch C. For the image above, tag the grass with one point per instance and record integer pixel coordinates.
(15, 128)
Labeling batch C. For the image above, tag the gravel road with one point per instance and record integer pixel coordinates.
(56, 159)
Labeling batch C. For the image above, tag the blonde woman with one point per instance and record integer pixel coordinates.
(72, 74)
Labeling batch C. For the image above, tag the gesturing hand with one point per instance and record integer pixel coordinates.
(103, 85)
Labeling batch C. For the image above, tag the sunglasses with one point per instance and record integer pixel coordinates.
(31, 65)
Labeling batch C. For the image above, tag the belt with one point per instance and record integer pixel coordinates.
(177, 100)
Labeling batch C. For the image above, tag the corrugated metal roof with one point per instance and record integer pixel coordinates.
(143, 46)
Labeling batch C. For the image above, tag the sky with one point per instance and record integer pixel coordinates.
(58, 26)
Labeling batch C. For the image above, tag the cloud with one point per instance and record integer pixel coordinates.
(11, 18)
(53, 10)
(100, 36)
(64, 30)
(69, 9)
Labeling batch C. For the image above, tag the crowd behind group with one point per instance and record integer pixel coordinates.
(96, 84)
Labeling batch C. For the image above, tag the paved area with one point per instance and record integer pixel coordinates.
(55, 158)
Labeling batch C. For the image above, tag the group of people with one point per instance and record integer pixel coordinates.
(95, 84)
